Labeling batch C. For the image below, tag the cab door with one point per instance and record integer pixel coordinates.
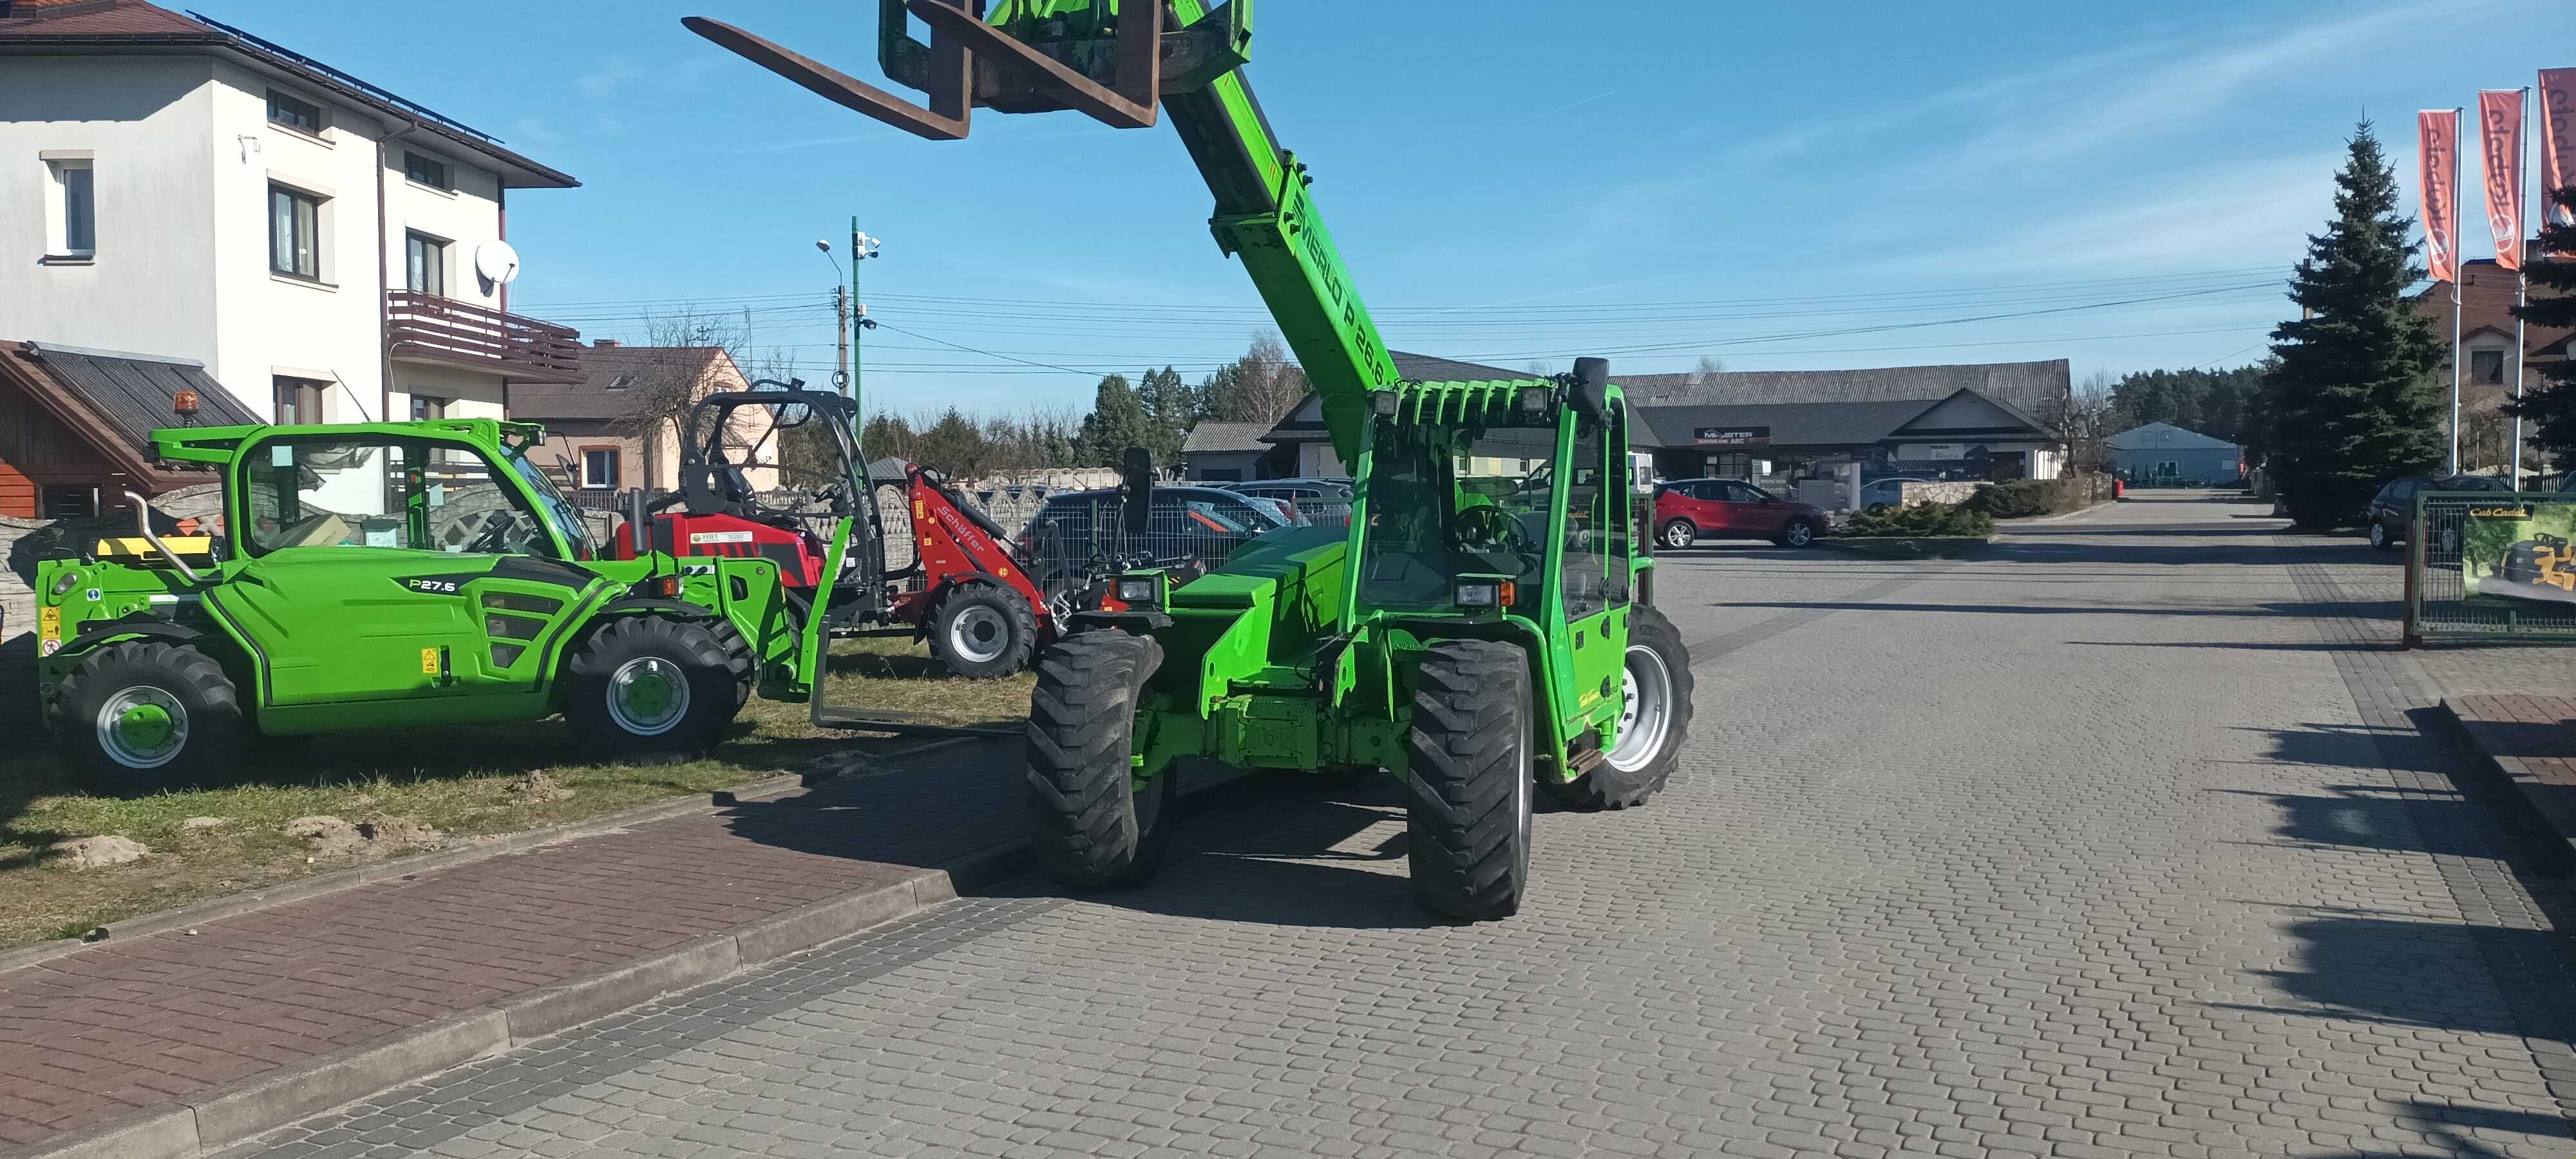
(382, 567)
(1594, 588)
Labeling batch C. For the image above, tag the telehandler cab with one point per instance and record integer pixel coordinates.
(381, 575)
(1482, 627)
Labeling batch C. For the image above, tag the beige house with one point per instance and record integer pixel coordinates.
(614, 430)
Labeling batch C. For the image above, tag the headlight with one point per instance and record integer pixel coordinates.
(1535, 398)
(1139, 591)
(1486, 593)
(1384, 402)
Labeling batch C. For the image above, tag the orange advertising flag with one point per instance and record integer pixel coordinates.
(2557, 140)
(2500, 147)
(2438, 137)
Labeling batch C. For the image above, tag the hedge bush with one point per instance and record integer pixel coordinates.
(2017, 499)
(1918, 521)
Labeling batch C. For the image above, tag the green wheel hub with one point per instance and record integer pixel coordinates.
(648, 696)
(142, 727)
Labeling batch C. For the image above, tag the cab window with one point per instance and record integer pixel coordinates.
(375, 491)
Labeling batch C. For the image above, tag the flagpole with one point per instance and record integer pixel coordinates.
(2456, 277)
(2521, 290)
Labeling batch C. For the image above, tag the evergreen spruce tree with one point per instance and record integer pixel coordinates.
(1172, 407)
(2550, 408)
(2351, 400)
(1117, 421)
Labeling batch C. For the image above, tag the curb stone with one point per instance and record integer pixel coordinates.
(238, 1111)
(231, 905)
(2542, 816)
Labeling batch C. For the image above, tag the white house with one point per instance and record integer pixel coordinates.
(328, 250)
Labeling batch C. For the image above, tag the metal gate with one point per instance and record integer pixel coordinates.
(2491, 565)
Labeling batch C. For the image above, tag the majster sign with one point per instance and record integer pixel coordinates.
(1732, 436)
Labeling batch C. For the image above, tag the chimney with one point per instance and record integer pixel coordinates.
(596, 343)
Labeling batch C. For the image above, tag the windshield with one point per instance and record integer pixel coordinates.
(557, 509)
(1474, 509)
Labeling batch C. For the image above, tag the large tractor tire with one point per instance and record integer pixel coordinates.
(1654, 720)
(1095, 826)
(983, 631)
(1472, 779)
(739, 659)
(642, 684)
(146, 715)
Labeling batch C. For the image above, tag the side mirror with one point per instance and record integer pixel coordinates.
(1136, 490)
(1591, 393)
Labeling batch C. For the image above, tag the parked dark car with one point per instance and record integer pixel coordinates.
(1690, 510)
(1313, 500)
(1076, 529)
(2394, 506)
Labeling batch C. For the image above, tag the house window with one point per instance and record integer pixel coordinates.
(299, 401)
(425, 264)
(429, 171)
(2486, 366)
(621, 382)
(599, 468)
(294, 233)
(67, 502)
(424, 407)
(299, 115)
(74, 212)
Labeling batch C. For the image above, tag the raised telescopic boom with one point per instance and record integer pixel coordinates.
(1047, 55)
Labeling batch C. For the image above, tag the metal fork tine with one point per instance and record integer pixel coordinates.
(952, 71)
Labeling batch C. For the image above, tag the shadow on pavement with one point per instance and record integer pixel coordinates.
(2239, 645)
(2355, 965)
(2361, 609)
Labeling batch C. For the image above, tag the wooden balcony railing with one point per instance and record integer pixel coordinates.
(427, 327)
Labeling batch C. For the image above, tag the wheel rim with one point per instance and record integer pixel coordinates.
(1526, 788)
(648, 696)
(1800, 534)
(142, 727)
(1645, 712)
(2378, 535)
(979, 635)
(1677, 535)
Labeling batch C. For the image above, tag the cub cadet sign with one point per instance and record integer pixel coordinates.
(1732, 436)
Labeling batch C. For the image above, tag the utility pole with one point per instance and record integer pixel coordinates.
(841, 356)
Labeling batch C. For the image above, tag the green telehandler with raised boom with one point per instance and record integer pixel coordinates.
(1483, 627)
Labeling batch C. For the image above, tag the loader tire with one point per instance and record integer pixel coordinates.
(739, 659)
(1094, 827)
(641, 684)
(983, 631)
(1654, 720)
(142, 716)
(1470, 801)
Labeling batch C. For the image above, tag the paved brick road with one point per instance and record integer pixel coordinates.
(2119, 843)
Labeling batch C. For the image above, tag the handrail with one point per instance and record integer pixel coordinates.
(143, 523)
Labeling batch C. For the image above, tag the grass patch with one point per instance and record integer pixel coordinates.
(465, 782)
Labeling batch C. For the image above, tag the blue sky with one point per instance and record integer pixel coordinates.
(1779, 185)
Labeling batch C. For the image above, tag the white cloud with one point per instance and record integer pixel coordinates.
(2230, 216)
(603, 82)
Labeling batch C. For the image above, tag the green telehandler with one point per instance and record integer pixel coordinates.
(1483, 627)
(383, 575)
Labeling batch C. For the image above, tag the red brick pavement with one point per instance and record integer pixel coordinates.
(126, 1025)
(2532, 739)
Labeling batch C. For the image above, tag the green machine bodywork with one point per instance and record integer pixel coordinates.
(1487, 515)
(379, 575)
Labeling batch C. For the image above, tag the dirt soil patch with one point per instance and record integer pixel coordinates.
(408, 792)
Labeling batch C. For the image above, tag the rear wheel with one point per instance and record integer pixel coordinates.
(1096, 825)
(1470, 793)
(146, 715)
(2379, 534)
(650, 684)
(1678, 534)
(1799, 532)
(984, 632)
(1654, 719)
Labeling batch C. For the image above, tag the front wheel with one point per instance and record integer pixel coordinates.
(1679, 533)
(1800, 532)
(1096, 825)
(650, 684)
(145, 715)
(1654, 720)
(984, 632)
(1470, 792)
(2379, 535)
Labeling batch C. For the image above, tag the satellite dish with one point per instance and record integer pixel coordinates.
(497, 262)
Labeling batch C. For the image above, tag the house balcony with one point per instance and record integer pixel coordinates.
(423, 327)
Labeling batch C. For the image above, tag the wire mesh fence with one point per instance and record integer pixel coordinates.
(1084, 536)
(2491, 565)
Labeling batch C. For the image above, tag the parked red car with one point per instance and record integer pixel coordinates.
(1690, 510)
